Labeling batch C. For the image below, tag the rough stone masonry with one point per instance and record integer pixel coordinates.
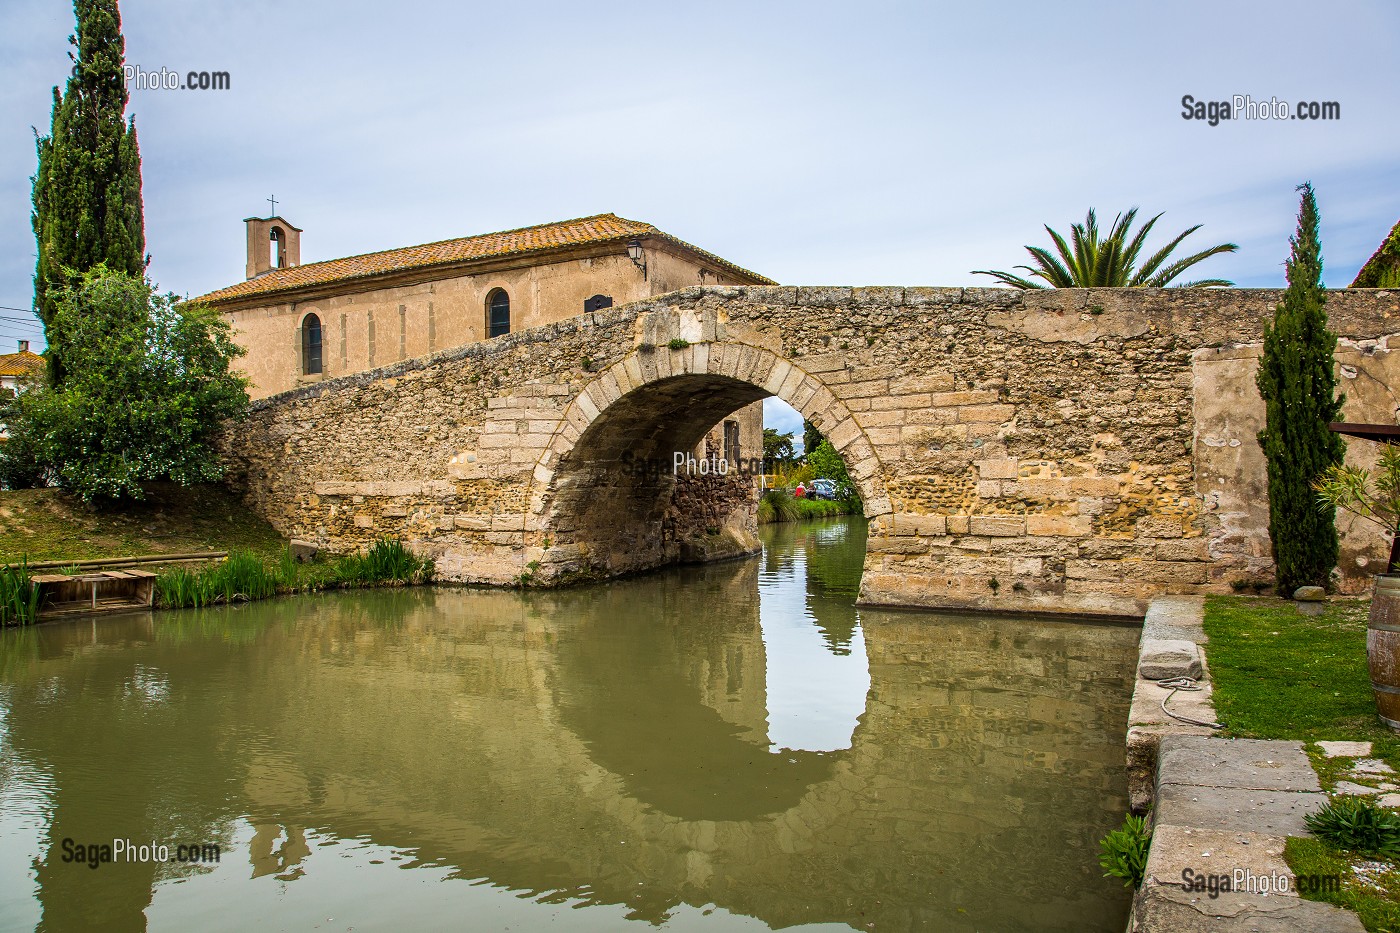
(1065, 450)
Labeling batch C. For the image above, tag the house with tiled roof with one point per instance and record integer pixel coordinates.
(17, 369)
(303, 323)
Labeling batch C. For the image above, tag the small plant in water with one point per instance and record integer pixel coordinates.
(19, 597)
(1123, 852)
(1358, 825)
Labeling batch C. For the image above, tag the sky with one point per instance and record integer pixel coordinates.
(815, 143)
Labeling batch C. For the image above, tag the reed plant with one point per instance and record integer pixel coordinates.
(244, 575)
(385, 561)
(240, 577)
(179, 588)
(19, 597)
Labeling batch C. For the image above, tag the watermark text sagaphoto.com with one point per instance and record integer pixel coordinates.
(166, 79)
(1245, 881)
(126, 851)
(1244, 107)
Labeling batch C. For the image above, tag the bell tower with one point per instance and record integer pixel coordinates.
(272, 244)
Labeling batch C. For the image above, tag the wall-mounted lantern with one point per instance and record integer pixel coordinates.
(634, 253)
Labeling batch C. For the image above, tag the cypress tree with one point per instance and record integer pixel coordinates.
(1298, 383)
(87, 190)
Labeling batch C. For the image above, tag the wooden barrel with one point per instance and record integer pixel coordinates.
(1383, 648)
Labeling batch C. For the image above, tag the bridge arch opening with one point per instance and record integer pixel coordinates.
(622, 488)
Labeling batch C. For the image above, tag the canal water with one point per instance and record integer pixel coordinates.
(729, 747)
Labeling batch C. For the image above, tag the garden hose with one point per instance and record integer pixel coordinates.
(1183, 683)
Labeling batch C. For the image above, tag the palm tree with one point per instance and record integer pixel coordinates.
(1109, 263)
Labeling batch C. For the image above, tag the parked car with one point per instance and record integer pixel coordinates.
(822, 489)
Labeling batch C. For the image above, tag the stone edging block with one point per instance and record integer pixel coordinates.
(1225, 808)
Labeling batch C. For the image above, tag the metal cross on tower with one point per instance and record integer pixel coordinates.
(273, 200)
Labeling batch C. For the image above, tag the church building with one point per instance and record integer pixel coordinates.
(304, 323)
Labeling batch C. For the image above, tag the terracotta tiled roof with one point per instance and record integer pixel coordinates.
(584, 231)
(21, 364)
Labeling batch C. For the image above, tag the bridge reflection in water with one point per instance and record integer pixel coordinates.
(729, 745)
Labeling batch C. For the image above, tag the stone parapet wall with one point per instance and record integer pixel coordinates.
(1068, 450)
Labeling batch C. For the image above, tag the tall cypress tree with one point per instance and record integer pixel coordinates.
(87, 190)
(1298, 383)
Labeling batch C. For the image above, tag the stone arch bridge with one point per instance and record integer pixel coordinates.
(1067, 450)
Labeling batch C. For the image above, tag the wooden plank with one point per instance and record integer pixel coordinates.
(1384, 433)
(125, 561)
(85, 607)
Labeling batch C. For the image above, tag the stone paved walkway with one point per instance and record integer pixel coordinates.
(1222, 808)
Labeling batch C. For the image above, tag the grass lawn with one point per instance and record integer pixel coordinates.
(45, 524)
(1280, 674)
(1370, 888)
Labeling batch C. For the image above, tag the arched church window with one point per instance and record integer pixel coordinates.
(311, 345)
(497, 313)
(279, 254)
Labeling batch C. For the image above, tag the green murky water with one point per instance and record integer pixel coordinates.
(726, 747)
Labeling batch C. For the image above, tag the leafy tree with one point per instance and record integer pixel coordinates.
(1109, 262)
(87, 190)
(777, 447)
(811, 437)
(1298, 383)
(148, 388)
(827, 463)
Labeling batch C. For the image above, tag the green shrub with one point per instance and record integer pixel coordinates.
(678, 343)
(20, 464)
(1123, 852)
(146, 385)
(1358, 825)
(19, 597)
